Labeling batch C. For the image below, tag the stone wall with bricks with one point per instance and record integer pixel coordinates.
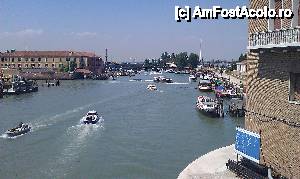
(269, 111)
(258, 25)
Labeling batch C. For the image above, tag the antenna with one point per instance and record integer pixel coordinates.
(200, 52)
(106, 56)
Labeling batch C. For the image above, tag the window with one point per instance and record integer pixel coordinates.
(53, 65)
(2, 59)
(26, 59)
(19, 65)
(19, 59)
(26, 65)
(46, 65)
(33, 65)
(13, 60)
(295, 88)
(39, 59)
(32, 59)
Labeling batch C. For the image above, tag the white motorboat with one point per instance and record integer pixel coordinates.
(19, 130)
(205, 86)
(192, 78)
(151, 87)
(162, 79)
(207, 105)
(91, 118)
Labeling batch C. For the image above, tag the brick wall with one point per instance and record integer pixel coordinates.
(258, 25)
(286, 23)
(297, 85)
(267, 94)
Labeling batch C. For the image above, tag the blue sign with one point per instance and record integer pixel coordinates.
(247, 144)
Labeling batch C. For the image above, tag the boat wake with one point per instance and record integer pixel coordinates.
(40, 124)
(148, 80)
(79, 135)
(5, 136)
(177, 83)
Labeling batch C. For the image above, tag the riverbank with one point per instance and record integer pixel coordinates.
(210, 165)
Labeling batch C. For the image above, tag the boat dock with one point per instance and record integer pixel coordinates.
(211, 165)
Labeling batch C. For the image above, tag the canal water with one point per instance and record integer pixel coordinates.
(142, 134)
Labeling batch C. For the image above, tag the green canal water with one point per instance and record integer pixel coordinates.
(143, 134)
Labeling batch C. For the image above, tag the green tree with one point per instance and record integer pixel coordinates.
(181, 60)
(242, 57)
(73, 66)
(165, 56)
(147, 64)
(193, 60)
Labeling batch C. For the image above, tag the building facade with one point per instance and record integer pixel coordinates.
(273, 87)
(57, 60)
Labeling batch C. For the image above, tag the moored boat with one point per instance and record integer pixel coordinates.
(205, 86)
(19, 130)
(208, 106)
(162, 79)
(91, 118)
(192, 78)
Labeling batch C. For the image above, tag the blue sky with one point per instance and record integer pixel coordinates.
(135, 29)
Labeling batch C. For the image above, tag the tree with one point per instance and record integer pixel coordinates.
(147, 64)
(165, 56)
(242, 57)
(181, 60)
(193, 60)
(73, 66)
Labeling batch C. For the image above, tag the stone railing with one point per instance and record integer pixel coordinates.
(277, 38)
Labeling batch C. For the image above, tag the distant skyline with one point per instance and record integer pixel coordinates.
(130, 29)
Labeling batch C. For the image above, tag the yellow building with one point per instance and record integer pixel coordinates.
(56, 60)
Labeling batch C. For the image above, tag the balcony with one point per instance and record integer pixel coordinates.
(278, 38)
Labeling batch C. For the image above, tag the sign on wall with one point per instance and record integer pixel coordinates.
(247, 144)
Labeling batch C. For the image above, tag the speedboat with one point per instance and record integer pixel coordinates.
(91, 118)
(192, 78)
(19, 130)
(151, 87)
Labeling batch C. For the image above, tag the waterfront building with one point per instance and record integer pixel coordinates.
(56, 60)
(273, 87)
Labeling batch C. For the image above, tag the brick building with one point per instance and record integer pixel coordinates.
(273, 87)
(56, 60)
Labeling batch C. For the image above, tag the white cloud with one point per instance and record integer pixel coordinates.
(23, 33)
(84, 34)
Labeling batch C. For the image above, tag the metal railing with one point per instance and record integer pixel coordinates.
(277, 38)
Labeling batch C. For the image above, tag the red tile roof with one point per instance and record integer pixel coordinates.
(48, 54)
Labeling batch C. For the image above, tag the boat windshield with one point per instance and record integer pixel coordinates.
(92, 113)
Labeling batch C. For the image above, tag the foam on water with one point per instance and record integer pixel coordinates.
(40, 124)
(177, 83)
(5, 136)
(79, 136)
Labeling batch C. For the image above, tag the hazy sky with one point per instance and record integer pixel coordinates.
(136, 29)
